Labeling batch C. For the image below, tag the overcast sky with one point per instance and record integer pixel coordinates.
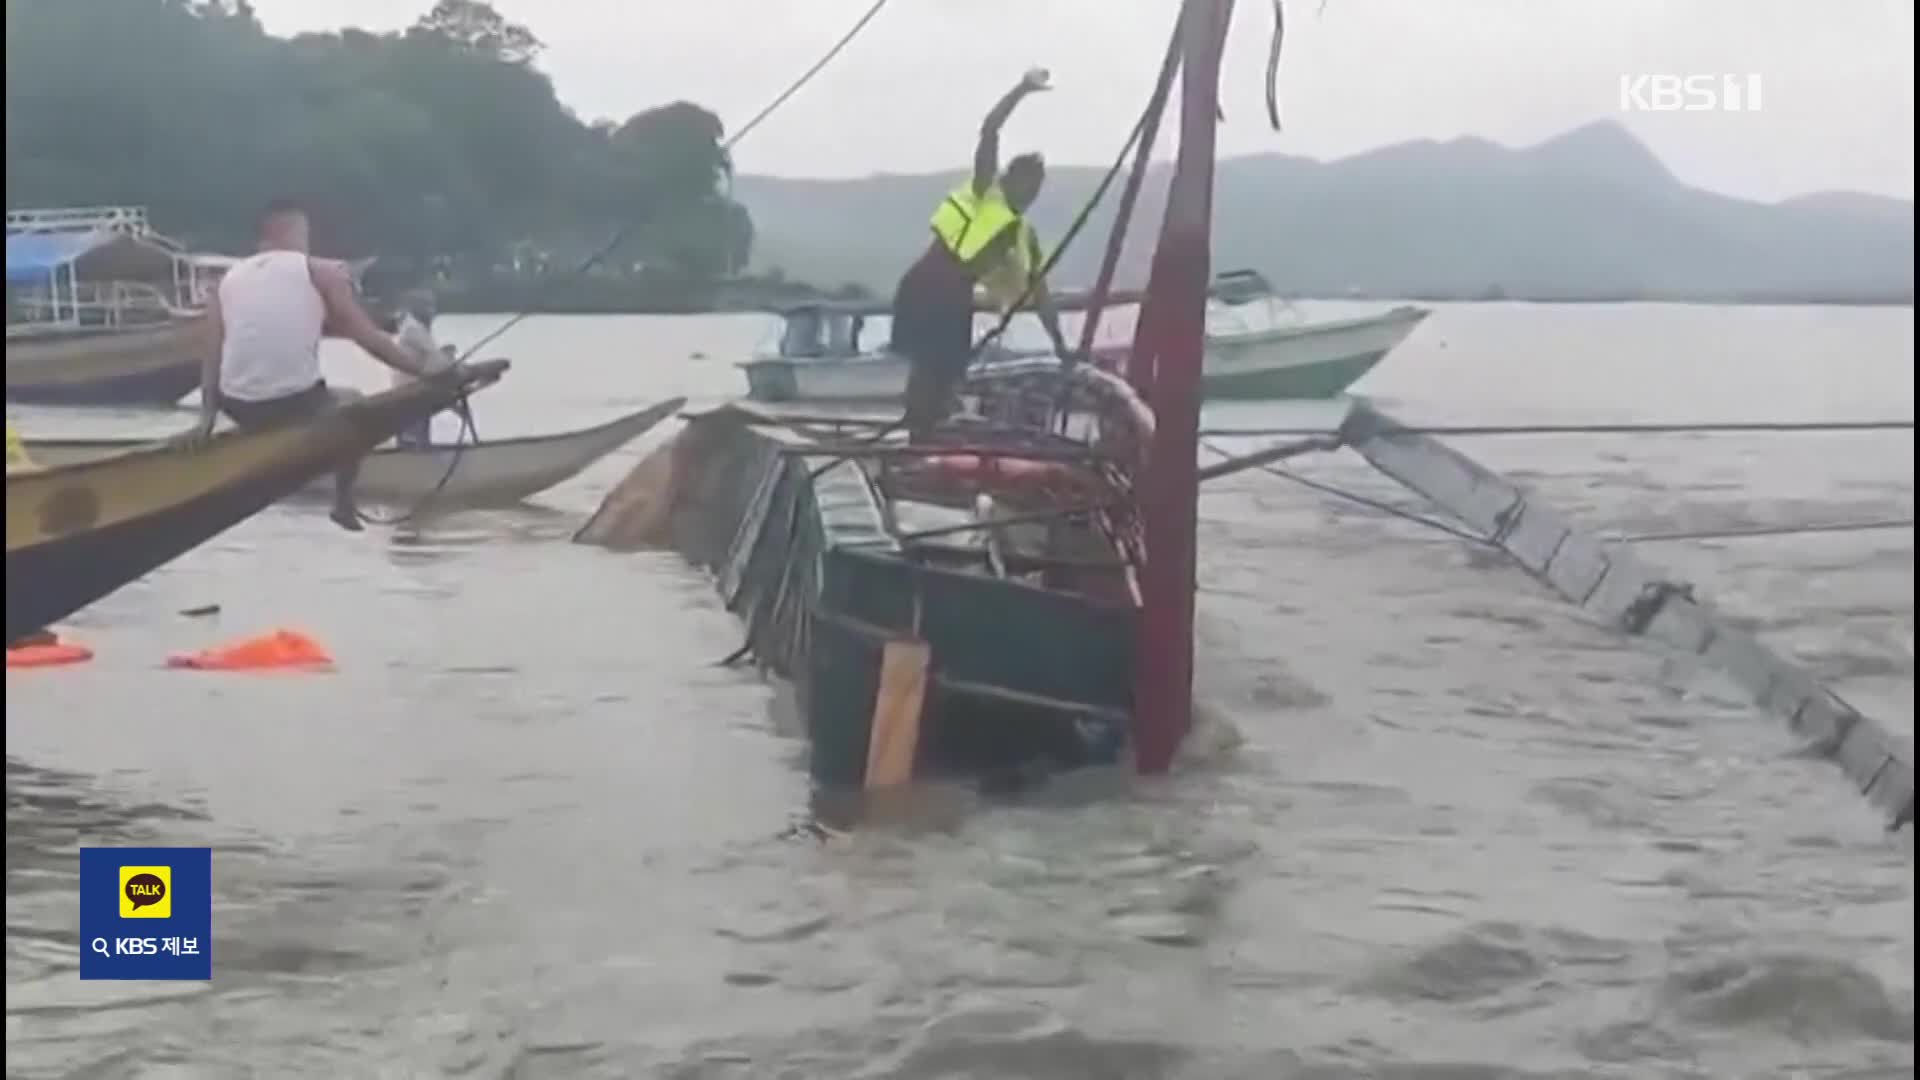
(1837, 105)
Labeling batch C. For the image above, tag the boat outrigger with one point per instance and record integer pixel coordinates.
(76, 533)
(493, 473)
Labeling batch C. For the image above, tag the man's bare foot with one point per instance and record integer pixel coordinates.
(347, 518)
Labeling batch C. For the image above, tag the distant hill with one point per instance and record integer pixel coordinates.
(1590, 215)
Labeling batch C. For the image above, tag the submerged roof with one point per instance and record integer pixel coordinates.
(34, 255)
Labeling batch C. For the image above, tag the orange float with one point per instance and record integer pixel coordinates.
(279, 650)
(48, 653)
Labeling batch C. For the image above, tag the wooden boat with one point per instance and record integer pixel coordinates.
(998, 560)
(104, 305)
(78, 532)
(1253, 351)
(155, 364)
(482, 474)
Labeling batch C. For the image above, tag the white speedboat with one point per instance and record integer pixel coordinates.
(1257, 347)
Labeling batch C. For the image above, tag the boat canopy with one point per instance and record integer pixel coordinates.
(37, 256)
(1236, 287)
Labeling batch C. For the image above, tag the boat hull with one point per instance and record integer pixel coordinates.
(148, 365)
(1019, 676)
(878, 377)
(79, 532)
(1319, 360)
(495, 473)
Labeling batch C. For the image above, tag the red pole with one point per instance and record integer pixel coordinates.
(1172, 331)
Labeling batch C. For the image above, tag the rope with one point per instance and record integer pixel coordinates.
(1273, 63)
(1769, 530)
(1692, 428)
(807, 76)
(626, 230)
(619, 237)
(1080, 219)
(1357, 499)
(1455, 531)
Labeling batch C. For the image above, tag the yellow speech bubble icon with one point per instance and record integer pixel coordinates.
(146, 892)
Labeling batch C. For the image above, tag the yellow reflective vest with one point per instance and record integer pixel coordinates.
(16, 451)
(967, 222)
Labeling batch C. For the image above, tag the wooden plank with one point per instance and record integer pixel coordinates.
(894, 738)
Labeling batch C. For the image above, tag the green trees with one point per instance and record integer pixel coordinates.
(443, 142)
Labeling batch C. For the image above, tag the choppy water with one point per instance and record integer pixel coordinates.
(529, 830)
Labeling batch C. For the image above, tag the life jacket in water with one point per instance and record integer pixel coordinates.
(967, 221)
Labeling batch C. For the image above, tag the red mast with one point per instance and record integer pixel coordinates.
(1167, 350)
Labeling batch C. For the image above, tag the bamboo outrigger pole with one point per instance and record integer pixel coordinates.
(1165, 368)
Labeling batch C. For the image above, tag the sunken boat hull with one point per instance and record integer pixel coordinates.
(824, 556)
(76, 533)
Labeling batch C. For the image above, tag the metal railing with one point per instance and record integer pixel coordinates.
(130, 220)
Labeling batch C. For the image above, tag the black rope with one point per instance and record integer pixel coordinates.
(1360, 500)
(460, 443)
(619, 237)
(1074, 229)
(1769, 530)
(1734, 533)
(1659, 428)
(626, 230)
(1273, 64)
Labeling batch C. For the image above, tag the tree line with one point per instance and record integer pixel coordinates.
(442, 145)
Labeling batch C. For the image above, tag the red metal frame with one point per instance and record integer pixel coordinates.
(1168, 347)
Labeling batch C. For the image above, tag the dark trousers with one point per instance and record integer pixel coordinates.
(273, 412)
(418, 434)
(935, 334)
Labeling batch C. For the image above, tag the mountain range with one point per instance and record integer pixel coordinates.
(1589, 215)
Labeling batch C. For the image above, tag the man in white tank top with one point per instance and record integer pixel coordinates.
(266, 320)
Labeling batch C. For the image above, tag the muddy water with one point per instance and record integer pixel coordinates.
(1436, 825)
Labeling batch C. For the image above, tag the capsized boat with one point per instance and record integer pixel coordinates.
(495, 473)
(78, 532)
(964, 605)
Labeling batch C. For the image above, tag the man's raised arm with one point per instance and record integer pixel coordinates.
(986, 156)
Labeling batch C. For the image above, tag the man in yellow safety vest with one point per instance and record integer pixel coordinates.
(980, 238)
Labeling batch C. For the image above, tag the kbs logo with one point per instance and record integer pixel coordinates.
(1689, 93)
(146, 892)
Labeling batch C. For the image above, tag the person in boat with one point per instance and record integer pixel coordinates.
(413, 331)
(265, 322)
(980, 237)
